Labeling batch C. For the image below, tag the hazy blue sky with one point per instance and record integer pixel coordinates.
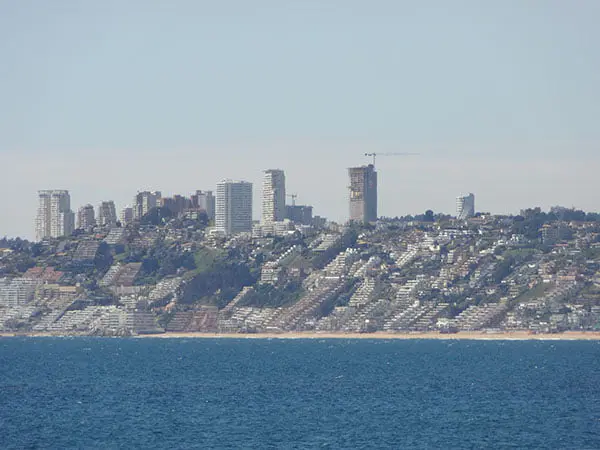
(105, 98)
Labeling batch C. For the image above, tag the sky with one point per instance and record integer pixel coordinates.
(108, 98)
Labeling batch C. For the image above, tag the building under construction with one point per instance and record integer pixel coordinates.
(363, 193)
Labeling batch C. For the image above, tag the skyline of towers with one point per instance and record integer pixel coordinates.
(233, 207)
(273, 196)
(465, 206)
(363, 193)
(54, 216)
(230, 211)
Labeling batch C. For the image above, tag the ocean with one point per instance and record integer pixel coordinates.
(102, 393)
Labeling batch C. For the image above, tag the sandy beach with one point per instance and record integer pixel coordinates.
(430, 335)
(474, 335)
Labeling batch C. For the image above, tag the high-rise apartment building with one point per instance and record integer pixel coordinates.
(144, 202)
(273, 196)
(54, 216)
(233, 207)
(300, 214)
(363, 193)
(206, 201)
(465, 206)
(86, 219)
(126, 215)
(107, 214)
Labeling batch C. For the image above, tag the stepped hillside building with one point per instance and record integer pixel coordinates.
(107, 214)
(363, 193)
(54, 216)
(273, 196)
(233, 207)
(465, 206)
(86, 218)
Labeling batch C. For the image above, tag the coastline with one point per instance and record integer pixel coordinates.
(464, 335)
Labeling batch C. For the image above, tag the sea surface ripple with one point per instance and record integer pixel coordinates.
(100, 393)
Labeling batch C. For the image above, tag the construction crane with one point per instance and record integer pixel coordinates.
(293, 196)
(388, 154)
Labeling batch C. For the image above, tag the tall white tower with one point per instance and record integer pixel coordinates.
(233, 207)
(54, 216)
(273, 196)
(465, 206)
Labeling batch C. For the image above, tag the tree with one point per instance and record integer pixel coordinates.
(104, 258)
(222, 276)
(157, 216)
(502, 269)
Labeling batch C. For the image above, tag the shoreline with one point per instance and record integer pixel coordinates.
(464, 335)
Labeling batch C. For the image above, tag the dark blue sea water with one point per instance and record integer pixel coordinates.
(94, 393)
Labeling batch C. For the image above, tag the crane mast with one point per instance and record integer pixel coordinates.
(374, 155)
(293, 197)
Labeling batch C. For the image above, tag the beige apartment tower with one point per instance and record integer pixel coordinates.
(107, 214)
(86, 218)
(273, 196)
(144, 202)
(465, 206)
